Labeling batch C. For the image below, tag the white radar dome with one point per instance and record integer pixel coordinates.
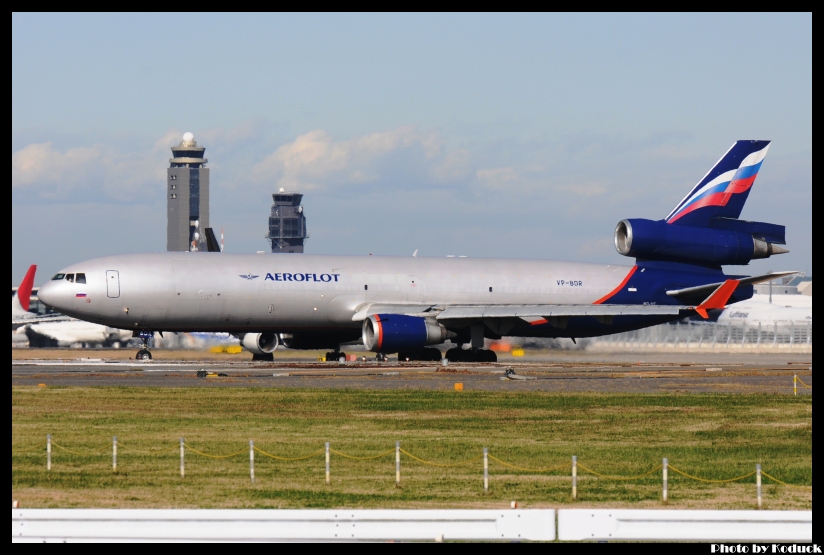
(188, 137)
(281, 190)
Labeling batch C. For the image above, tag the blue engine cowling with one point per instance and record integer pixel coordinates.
(659, 240)
(389, 333)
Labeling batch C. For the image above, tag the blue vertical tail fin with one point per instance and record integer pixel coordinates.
(724, 190)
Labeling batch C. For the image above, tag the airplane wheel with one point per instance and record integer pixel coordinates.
(455, 355)
(143, 354)
(489, 356)
(403, 355)
(265, 357)
(432, 354)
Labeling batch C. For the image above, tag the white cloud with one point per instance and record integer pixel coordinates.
(315, 160)
(498, 177)
(40, 163)
(99, 171)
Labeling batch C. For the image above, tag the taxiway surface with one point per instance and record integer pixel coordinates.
(571, 372)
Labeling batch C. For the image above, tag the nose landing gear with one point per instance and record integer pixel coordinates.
(144, 353)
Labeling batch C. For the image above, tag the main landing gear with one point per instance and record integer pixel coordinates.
(144, 353)
(457, 354)
(335, 356)
(425, 354)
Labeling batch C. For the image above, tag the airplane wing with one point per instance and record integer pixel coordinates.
(526, 312)
(695, 295)
(556, 310)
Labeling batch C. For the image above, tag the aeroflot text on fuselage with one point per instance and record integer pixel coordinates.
(303, 277)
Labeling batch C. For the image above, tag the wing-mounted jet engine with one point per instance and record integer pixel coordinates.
(261, 345)
(389, 333)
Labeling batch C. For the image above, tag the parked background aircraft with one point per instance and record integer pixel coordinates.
(406, 304)
(55, 329)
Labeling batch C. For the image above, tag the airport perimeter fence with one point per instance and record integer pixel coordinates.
(714, 335)
(574, 467)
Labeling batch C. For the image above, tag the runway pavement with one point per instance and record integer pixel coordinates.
(565, 372)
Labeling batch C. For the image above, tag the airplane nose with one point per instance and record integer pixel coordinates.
(48, 295)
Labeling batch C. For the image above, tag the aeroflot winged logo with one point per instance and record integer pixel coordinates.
(249, 276)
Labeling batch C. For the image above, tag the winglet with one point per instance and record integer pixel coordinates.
(24, 291)
(718, 298)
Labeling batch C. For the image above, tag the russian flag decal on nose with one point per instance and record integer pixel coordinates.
(80, 296)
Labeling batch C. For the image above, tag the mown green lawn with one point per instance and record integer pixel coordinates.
(711, 436)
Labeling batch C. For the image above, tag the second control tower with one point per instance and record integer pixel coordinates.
(187, 200)
(287, 224)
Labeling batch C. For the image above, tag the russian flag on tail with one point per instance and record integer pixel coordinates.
(725, 188)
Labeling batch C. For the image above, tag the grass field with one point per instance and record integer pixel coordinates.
(711, 436)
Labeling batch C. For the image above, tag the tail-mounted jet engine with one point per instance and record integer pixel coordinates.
(726, 241)
(260, 343)
(389, 333)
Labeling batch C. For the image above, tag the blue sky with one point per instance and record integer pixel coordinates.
(483, 135)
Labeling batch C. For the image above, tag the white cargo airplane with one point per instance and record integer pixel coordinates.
(405, 305)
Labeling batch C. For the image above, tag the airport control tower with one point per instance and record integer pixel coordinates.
(187, 203)
(287, 224)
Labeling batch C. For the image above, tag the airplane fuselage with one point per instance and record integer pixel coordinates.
(322, 293)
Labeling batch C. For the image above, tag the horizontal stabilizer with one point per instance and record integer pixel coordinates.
(771, 233)
(718, 298)
(695, 295)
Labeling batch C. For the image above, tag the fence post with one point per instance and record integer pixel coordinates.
(795, 384)
(252, 460)
(48, 452)
(758, 483)
(114, 454)
(182, 471)
(327, 463)
(397, 464)
(486, 470)
(665, 466)
(574, 477)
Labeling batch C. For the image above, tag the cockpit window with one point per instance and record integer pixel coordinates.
(58, 276)
(70, 277)
(81, 278)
